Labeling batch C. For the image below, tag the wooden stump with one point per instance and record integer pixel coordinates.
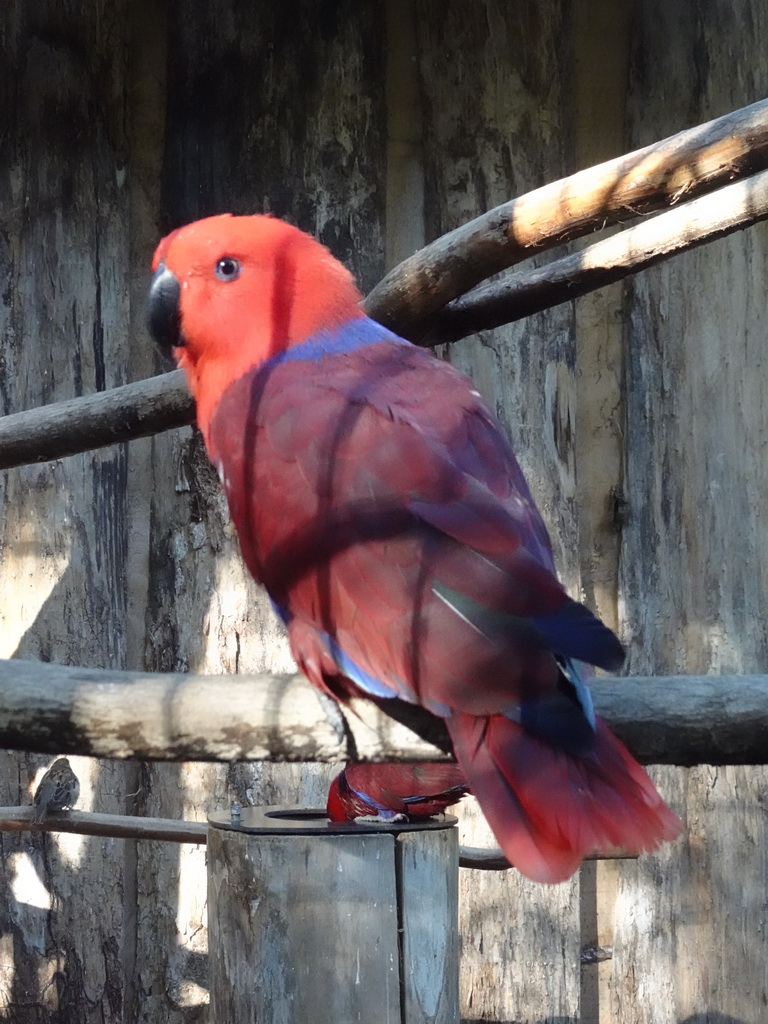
(332, 923)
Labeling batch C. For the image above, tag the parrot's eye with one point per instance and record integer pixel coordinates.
(227, 269)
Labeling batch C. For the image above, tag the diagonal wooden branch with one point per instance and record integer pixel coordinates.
(135, 410)
(55, 709)
(685, 165)
(703, 220)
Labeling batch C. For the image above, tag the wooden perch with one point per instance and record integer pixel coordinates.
(116, 826)
(490, 305)
(53, 709)
(58, 709)
(135, 410)
(685, 165)
(173, 830)
(482, 859)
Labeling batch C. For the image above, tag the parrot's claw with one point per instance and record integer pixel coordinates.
(378, 819)
(334, 715)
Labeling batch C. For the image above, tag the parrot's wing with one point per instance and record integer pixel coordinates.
(410, 439)
(402, 783)
(400, 517)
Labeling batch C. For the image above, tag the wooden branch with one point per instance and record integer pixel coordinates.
(683, 166)
(116, 826)
(477, 857)
(53, 709)
(58, 709)
(107, 417)
(490, 305)
(482, 859)
(690, 163)
(688, 720)
(172, 830)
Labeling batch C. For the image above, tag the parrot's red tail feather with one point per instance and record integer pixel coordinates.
(549, 809)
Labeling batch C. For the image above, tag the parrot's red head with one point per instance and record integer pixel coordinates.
(230, 292)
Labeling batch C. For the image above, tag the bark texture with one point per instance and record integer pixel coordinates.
(332, 928)
(638, 416)
(64, 250)
(692, 568)
(682, 720)
(496, 125)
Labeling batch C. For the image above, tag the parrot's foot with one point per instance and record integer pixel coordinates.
(377, 819)
(334, 715)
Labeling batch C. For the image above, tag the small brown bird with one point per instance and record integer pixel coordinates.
(59, 788)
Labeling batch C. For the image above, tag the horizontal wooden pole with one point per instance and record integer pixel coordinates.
(114, 826)
(703, 220)
(488, 859)
(412, 295)
(54, 709)
(172, 830)
(59, 709)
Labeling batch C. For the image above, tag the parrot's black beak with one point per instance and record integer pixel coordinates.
(164, 318)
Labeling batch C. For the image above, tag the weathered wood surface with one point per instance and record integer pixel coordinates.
(688, 924)
(126, 558)
(732, 208)
(116, 826)
(163, 403)
(285, 914)
(683, 720)
(279, 108)
(602, 34)
(65, 223)
(428, 895)
(712, 965)
(495, 125)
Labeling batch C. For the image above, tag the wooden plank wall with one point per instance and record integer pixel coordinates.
(377, 126)
(692, 578)
(65, 220)
(495, 106)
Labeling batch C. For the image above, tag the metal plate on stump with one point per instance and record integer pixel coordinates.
(307, 821)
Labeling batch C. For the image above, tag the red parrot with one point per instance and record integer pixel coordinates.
(379, 503)
(395, 792)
